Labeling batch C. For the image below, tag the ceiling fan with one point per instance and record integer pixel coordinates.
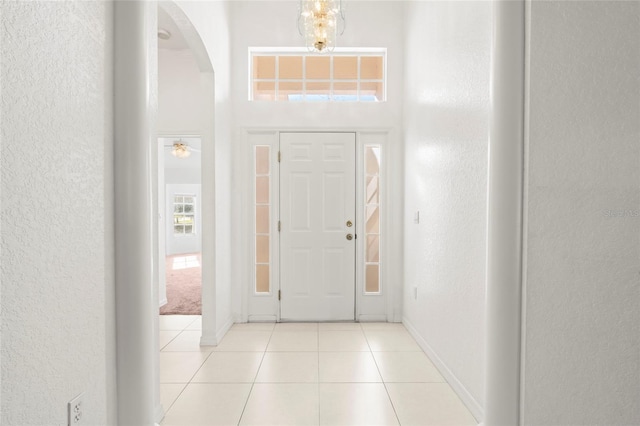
(180, 149)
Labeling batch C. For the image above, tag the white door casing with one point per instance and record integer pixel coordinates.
(317, 199)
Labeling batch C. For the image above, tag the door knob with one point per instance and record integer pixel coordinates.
(349, 237)
(349, 224)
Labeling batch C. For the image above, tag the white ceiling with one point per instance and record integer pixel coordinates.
(177, 41)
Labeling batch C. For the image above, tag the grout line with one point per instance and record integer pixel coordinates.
(384, 383)
(264, 353)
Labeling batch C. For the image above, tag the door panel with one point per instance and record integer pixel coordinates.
(317, 198)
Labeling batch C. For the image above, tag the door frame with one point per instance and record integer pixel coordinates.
(266, 307)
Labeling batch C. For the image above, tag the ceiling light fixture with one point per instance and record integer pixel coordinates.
(319, 21)
(180, 150)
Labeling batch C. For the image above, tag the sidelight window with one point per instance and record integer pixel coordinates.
(262, 204)
(372, 218)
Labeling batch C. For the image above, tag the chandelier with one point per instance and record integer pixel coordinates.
(319, 21)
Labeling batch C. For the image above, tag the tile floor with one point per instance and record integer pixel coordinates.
(301, 374)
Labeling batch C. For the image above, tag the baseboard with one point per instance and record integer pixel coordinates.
(222, 331)
(372, 318)
(208, 340)
(159, 413)
(262, 318)
(476, 410)
(163, 302)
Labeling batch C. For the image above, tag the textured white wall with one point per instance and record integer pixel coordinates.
(57, 203)
(446, 111)
(582, 297)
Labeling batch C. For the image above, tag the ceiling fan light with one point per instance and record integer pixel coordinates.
(180, 150)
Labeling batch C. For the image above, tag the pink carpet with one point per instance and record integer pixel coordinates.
(184, 283)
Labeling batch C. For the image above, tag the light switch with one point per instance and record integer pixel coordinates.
(416, 217)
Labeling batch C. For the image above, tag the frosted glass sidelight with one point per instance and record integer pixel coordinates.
(262, 190)
(262, 210)
(372, 284)
(262, 160)
(373, 248)
(262, 278)
(262, 249)
(372, 218)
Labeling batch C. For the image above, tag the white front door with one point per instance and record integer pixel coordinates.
(317, 219)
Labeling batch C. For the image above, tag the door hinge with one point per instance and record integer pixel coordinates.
(279, 156)
(279, 226)
(279, 294)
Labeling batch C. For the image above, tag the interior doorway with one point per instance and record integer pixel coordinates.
(180, 225)
(317, 226)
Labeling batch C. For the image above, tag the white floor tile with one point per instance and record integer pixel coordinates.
(344, 367)
(293, 341)
(282, 404)
(176, 322)
(388, 326)
(245, 341)
(229, 367)
(208, 404)
(179, 367)
(169, 392)
(196, 325)
(365, 404)
(165, 336)
(289, 367)
(187, 341)
(391, 340)
(428, 404)
(409, 367)
(343, 340)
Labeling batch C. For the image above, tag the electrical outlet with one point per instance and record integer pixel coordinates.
(416, 217)
(415, 292)
(75, 410)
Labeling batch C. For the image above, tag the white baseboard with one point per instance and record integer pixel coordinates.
(159, 413)
(372, 318)
(476, 410)
(222, 331)
(262, 318)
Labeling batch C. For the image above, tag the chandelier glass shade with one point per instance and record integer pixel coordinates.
(319, 22)
(180, 150)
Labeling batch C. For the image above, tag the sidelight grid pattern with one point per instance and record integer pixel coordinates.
(372, 219)
(262, 199)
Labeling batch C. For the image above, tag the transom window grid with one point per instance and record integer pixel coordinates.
(372, 160)
(262, 234)
(347, 77)
(184, 207)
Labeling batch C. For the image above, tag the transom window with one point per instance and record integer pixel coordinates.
(184, 214)
(356, 76)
